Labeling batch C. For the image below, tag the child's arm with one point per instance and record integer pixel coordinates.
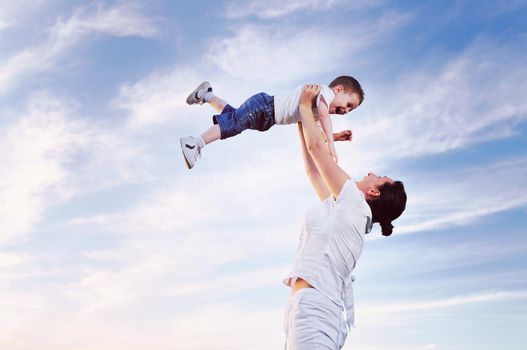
(344, 135)
(327, 126)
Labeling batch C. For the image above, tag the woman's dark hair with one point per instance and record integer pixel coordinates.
(388, 206)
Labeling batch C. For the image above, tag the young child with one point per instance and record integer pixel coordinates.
(261, 111)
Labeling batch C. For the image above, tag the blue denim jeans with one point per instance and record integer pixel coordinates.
(256, 113)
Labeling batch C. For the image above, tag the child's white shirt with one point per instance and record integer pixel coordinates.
(286, 104)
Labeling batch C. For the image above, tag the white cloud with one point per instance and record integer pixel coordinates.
(193, 208)
(64, 35)
(259, 54)
(40, 162)
(264, 327)
(430, 209)
(473, 98)
(275, 8)
(430, 260)
(13, 13)
(30, 149)
(254, 59)
(118, 21)
(284, 54)
(413, 325)
(177, 275)
(158, 98)
(375, 311)
(3, 23)
(9, 260)
(104, 290)
(240, 326)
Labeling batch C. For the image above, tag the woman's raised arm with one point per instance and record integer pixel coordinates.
(311, 169)
(332, 175)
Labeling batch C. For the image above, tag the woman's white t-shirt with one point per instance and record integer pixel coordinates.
(331, 242)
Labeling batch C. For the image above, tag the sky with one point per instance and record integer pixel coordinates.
(107, 240)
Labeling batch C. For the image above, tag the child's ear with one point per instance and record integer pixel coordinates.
(339, 89)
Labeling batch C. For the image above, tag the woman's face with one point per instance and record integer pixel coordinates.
(372, 180)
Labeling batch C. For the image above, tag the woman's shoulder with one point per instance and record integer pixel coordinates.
(350, 193)
(351, 197)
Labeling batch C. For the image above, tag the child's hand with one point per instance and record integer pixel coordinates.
(309, 93)
(345, 135)
(332, 151)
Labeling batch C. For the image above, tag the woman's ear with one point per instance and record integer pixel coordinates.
(373, 192)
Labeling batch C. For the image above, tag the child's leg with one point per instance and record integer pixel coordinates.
(203, 94)
(255, 113)
(217, 103)
(214, 132)
(192, 146)
(211, 134)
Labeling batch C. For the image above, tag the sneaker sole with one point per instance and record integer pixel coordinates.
(185, 158)
(191, 99)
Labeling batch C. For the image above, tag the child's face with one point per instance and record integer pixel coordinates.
(343, 102)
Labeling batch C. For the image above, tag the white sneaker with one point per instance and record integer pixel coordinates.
(198, 95)
(191, 150)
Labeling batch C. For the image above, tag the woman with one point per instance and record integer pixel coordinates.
(320, 308)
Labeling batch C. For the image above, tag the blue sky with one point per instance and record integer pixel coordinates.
(107, 241)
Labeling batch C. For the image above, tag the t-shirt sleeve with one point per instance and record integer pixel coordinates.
(351, 197)
(328, 95)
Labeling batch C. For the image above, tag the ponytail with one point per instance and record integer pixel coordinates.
(386, 227)
(388, 206)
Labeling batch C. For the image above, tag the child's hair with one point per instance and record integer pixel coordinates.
(388, 206)
(350, 84)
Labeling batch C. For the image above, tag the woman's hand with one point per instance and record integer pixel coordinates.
(309, 94)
